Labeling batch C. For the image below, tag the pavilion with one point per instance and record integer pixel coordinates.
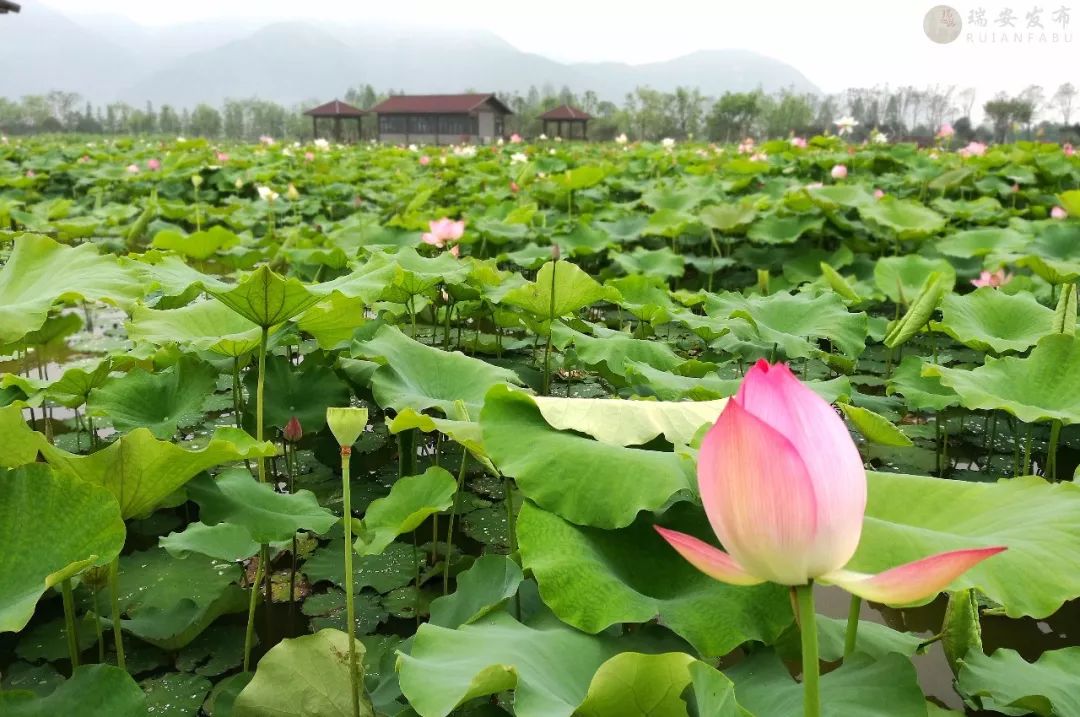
(338, 111)
(566, 122)
(441, 119)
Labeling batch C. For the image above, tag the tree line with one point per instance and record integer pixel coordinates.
(646, 113)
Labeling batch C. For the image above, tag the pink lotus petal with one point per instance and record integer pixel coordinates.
(715, 563)
(838, 480)
(432, 239)
(914, 581)
(455, 250)
(1058, 213)
(455, 229)
(759, 497)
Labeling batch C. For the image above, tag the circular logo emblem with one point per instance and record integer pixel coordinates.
(942, 24)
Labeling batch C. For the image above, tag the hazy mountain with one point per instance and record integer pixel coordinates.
(106, 58)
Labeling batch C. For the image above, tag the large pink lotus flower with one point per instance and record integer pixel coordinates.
(992, 278)
(222, 157)
(1058, 213)
(879, 193)
(945, 131)
(1068, 149)
(839, 171)
(443, 232)
(153, 165)
(799, 142)
(424, 160)
(515, 138)
(785, 492)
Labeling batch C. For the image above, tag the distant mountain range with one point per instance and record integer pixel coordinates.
(107, 58)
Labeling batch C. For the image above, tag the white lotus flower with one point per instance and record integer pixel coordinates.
(621, 139)
(845, 124)
(518, 158)
(322, 144)
(413, 148)
(266, 139)
(877, 137)
(266, 194)
(542, 137)
(667, 143)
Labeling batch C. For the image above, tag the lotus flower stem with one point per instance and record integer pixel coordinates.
(114, 598)
(551, 325)
(1051, 450)
(69, 623)
(804, 595)
(350, 610)
(453, 515)
(249, 632)
(1026, 467)
(852, 633)
(97, 625)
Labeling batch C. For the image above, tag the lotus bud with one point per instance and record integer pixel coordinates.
(556, 252)
(346, 424)
(196, 180)
(293, 431)
(291, 194)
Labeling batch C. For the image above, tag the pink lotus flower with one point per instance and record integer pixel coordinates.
(815, 185)
(133, 169)
(878, 194)
(293, 431)
(153, 165)
(85, 159)
(443, 232)
(1068, 149)
(309, 156)
(515, 138)
(945, 131)
(425, 160)
(30, 174)
(785, 492)
(992, 278)
(222, 157)
(514, 187)
(1015, 188)
(974, 149)
(1058, 213)
(839, 172)
(799, 142)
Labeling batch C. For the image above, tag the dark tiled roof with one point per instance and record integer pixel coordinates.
(436, 104)
(335, 108)
(566, 112)
(7, 6)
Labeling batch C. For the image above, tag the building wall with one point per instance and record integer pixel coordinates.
(487, 125)
(427, 139)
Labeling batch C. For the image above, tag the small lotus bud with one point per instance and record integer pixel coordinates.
(346, 424)
(196, 180)
(555, 252)
(293, 431)
(291, 193)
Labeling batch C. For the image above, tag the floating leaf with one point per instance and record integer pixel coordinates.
(991, 320)
(93, 690)
(1046, 687)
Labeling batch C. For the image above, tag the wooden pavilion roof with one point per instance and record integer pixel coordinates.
(437, 104)
(335, 108)
(566, 112)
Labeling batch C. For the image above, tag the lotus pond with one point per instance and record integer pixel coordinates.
(530, 382)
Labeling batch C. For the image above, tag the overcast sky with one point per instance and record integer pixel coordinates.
(835, 43)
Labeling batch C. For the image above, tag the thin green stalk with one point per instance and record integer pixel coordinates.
(551, 326)
(69, 623)
(453, 515)
(852, 633)
(511, 533)
(350, 611)
(804, 595)
(114, 598)
(97, 624)
(259, 390)
(1051, 450)
(249, 632)
(1026, 468)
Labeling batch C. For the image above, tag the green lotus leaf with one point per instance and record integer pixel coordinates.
(547, 664)
(901, 278)
(175, 694)
(235, 497)
(393, 568)
(54, 526)
(265, 298)
(834, 196)
(200, 245)
(727, 217)
(224, 541)
(920, 392)
(141, 471)
(1053, 254)
(610, 351)
(92, 690)
(72, 386)
(784, 230)
(572, 475)
(413, 375)
(415, 275)
(168, 602)
(991, 320)
(662, 263)
(1065, 311)
(40, 272)
(1046, 687)
(580, 177)
(1039, 387)
(484, 587)
(644, 297)
(334, 320)
(875, 427)
(465, 433)
(583, 240)
(411, 501)
(950, 178)
(629, 423)
(573, 290)
(632, 684)
(159, 402)
(303, 391)
(666, 197)
(913, 517)
(1070, 200)
(901, 218)
(202, 326)
(593, 579)
(367, 282)
(861, 687)
(980, 242)
(922, 307)
(838, 283)
(306, 675)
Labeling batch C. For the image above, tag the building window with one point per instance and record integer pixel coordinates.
(457, 124)
(422, 124)
(393, 124)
